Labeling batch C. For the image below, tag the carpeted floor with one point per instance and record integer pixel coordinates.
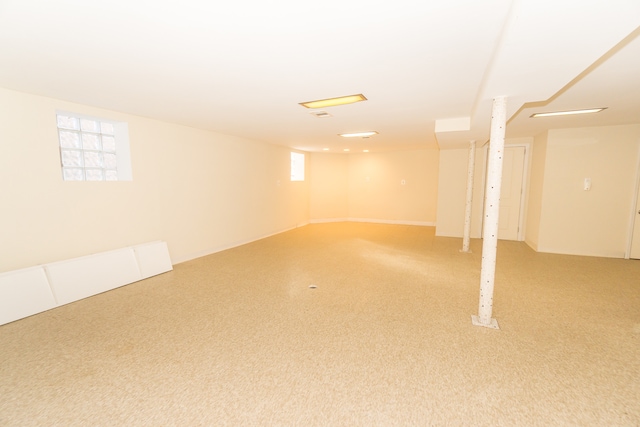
(344, 324)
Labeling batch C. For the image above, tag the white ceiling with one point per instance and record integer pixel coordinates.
(241, 67)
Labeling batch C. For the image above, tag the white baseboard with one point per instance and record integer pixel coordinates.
(36, 289)
(328, 220)
(235, 244)
(216, 249)
(375, 221)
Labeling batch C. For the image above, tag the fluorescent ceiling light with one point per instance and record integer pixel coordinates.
(566, 113)
(346, 149)
(359, 134)
(332, 102)
(365, 151)
(325, 149)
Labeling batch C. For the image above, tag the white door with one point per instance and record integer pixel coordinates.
(635, 238)
(511, 192)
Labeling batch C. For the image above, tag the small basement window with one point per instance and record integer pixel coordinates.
(93, 149)
(297, 166)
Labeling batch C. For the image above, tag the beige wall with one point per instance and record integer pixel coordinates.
(560, 216)
(595, 222)
(197, 190)
(367, 186)
(328, 180)
(452, 188)
(452, 192)
(534, 205)
(202, 192)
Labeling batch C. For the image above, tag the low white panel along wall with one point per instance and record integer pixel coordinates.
(23, 293)
(33, 290)
(153, 258)
(82, 277)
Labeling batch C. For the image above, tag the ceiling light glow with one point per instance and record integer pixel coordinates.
(359, 134)
(570, 112)
(332, 102)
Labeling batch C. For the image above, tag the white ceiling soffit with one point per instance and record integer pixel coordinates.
(611, 82)
(546, 44)
(241, 67)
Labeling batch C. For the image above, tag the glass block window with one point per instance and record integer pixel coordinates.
(90, 149)
(297, 166)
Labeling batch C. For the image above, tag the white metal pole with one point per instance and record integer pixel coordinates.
(491, 214)
(466, 236)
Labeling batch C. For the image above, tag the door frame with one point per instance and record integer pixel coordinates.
(524, 190)
(634, 205)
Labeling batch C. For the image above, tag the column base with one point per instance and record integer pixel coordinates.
(476, 322)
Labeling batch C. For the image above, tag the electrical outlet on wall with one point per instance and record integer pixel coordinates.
(403, 182)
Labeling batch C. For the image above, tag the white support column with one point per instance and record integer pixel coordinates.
(492, 211)
(467, 211)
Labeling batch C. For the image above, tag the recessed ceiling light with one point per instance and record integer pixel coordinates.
(332, 102)
(359, 134)
(566, 113)
(325, 149)
(365, 151)
(320, 114)
(346, 149)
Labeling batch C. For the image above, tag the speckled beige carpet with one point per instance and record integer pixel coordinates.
(239, 338)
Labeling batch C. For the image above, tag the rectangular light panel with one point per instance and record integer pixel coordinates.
(332, 102)
(566, 113)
